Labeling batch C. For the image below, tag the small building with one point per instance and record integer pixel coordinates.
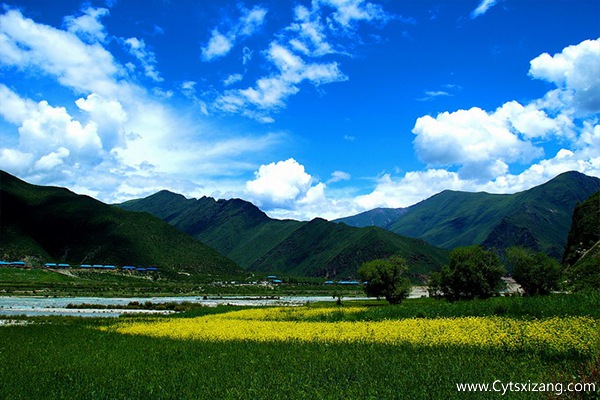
(64, 265)
(85, 266)
(50, 265)
(128, 268)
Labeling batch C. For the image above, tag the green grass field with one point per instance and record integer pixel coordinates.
(69, 358)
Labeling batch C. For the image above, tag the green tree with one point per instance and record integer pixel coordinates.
(474, 272)
(535, 272)
(384, 278)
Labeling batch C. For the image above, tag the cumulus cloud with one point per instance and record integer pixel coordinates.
(220, 44)
(280, 184)
(113, 138)
(480, 142)
(575, 70)
(480, 147)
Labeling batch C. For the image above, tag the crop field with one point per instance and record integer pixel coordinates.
(421, 349)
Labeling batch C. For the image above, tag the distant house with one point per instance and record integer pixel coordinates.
(97, 266)
(64, 265)
(50, 265)
(329, 282)
(349, 282)
(128, 268)
(85, 266)
(277, 281)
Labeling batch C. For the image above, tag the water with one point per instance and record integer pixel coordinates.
(37, 306)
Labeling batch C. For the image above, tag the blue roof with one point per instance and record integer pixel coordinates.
(128, 267)
(18, 263)
(50, 265)
(64, 265)
(277, 281)
(151, 269)
(85, 266)
(4, 263)
(140, 269)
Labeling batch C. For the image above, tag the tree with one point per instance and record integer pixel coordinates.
(384, 278)
(473, 272)
(537, 273)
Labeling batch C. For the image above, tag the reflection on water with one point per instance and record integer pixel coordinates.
(34, 306)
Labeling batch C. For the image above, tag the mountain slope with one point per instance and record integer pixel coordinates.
(318, 248)
(322, 248)
(55, 224)
(538, 218)
(381, 217)
(582, 253)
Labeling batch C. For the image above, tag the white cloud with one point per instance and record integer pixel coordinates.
(483, 7)
(88, 26)
(280, 184)
(338, 176)
(220, 44)
(347, 12)
(113, 137)
(315, 32)
(217, 46)
(481, 143)
(137, 48)
(60, 54)
(231, 79)
(576, 69)
(272, 91)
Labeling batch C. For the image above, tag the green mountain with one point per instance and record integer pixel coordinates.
(54, 224)
(381, 217)
(538, 218)
(582, 253)
(242, 232)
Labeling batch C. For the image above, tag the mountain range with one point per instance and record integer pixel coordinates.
(241, 231)
(54, 224)
(538, 218)
(220, 236)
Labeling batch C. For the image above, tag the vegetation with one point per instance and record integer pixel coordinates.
(241, 231)
(473, 272)
(538, 218)
(384, 278)
(297, 353)
(55, 225)
(582, 253)
(537, 273)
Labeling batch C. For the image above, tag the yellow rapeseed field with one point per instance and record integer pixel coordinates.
(557, 334)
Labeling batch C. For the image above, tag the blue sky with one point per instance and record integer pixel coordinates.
(306, 108)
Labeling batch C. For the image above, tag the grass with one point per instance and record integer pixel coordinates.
(69, 358)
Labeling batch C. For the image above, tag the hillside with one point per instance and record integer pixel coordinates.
(381, 217)
(242, 232)
(322, 248)
(582, 253)
(538, 218)
(54, 224)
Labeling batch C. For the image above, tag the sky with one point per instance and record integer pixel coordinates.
(322, 108)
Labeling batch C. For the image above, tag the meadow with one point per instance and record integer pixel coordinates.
(420, 349)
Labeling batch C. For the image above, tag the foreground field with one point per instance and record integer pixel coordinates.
(419, 350)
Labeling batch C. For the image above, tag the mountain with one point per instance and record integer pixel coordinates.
(239, 230)
(582, 253)
(54, 224)
(381, 217)
(538, 218)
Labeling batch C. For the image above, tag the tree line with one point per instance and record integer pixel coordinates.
(473, 272)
